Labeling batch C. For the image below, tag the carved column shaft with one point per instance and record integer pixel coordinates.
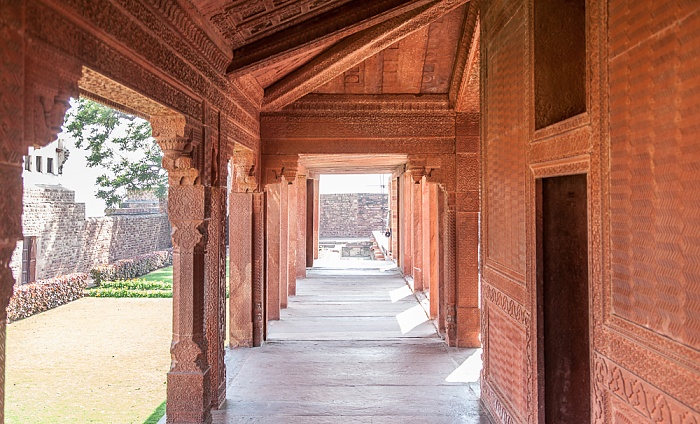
(407, 227)
(284, 244)
(310, 219)
(431, 246)
(216, 295)
(316, 216)
(258, 273)
(417, 231)
(448, 252)
(274, 244)
(293, 233)
(189, 380)
(301, 227)
(241, 270)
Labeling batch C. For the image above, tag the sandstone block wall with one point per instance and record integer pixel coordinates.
(352, 215)
(69, 242)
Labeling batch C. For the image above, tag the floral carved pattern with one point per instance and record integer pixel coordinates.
(647, 400)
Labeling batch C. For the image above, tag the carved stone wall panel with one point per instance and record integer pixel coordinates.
(650, 403)
(507, 360)
(654, 185)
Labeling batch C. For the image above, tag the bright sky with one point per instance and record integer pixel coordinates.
(354, 183)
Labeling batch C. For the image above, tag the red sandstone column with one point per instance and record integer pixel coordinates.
(444, 265)
(448, 280)
(258, 272)
(216, 165)
(274, 244)
(245, 255)
(434, 257)
(215, 306)
(393, 189)
(310, 211)
(241, 271)
(317, 216)
(425, 233)
(284, 243)
(417, 231)
(188, 399)
(407, 235)
(293, 236)
(301, 228)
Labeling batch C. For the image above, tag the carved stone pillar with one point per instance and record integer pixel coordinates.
(273, 190)
(316, 216)
(310, 220)
(448, 252)
(431, 247)
(259, 287)
(301, 227)
(216, 166)
(417, 228)
(293, 234)
(242, 297)
(284, 243)
(406, 224)
(188, 399)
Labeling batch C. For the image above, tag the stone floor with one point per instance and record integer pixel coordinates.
(354, 346)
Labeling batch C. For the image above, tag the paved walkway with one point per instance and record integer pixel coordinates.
(354, 346)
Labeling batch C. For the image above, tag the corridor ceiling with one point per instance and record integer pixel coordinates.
(353, 164)
(296, 47)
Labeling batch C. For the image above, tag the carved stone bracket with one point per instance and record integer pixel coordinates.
(171, 134)
(422, 166)
(244, 171)
(277, 167)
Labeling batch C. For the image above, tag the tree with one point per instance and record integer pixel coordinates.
(122, 145)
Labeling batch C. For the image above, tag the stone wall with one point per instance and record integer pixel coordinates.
(67, 242)
(352, 215)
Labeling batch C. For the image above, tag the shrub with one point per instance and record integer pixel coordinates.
(42, 295)
(131, 268)
(136, 285)
(111, 292)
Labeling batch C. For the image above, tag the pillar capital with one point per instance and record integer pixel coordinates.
(276, 167)
(174, 138)
(422, 166)
(244, 171)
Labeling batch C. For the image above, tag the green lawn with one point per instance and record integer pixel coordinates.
(163, 274)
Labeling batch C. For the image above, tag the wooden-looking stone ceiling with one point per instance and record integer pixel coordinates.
(296, 47)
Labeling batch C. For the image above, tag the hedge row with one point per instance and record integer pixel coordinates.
(111, 292)
(132, 268)
(136, 285)
(42, 295)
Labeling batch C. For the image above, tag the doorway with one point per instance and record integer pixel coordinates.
(563, 307)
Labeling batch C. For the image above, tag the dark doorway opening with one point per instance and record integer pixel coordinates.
(563, 311)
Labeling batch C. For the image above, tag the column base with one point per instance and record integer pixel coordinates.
(187, 402)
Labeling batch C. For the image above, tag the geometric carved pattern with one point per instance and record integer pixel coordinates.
(505, 151)
(655, 177)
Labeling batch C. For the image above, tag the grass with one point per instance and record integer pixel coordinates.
(90, 361)
(160, 275)
(156, 415)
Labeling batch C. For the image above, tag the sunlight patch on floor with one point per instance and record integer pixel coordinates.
(400, 293)
(411, 318)
(469, 371)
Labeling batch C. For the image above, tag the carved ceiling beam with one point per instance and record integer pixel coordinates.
(326, 29)
(464, 71)
(351, 51)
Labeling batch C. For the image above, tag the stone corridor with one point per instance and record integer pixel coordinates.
(354, 346)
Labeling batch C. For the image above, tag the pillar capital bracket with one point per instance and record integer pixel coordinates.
(174, 138)
(244, 171)
(422, 166)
